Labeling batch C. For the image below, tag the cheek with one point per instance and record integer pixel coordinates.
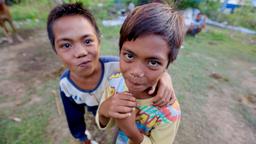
(65, 58)
(123, 66)
(95, 51)
(154, 76)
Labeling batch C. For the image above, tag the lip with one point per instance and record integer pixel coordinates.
(134, 82)
(84, 64)
(135, 85)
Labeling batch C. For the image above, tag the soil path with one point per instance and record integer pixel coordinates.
(226, 113)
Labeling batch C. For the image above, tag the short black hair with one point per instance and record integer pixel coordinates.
(70, 9)
(154, 18)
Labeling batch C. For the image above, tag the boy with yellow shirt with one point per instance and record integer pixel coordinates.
(150, 39)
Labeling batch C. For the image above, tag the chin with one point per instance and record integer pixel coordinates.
(85, 73)
(134, 89)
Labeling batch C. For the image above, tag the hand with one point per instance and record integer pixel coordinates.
(165, 92)
(128, 126)
(118, 106)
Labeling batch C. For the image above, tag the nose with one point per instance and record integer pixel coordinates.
(137, 71)
(80, 51)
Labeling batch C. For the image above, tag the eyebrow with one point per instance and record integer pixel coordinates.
(126, 49)
(152, 58)
(67, 39)
(86, 36)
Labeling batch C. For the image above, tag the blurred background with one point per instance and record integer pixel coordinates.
(214, 76)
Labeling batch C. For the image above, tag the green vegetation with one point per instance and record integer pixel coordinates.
(244, 16)
(34, 118)
(30, 9)
(214, 51)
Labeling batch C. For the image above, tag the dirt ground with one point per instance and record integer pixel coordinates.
(24, 65)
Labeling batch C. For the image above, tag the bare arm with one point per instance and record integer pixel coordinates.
(165, 92)
(128, 126)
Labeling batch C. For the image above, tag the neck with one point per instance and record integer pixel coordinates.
(142, 95)
(90, 81)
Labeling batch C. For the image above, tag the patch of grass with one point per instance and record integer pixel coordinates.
(110, 39)
(211, 51)
(247, 114)
(226, 46)
(32, 128)
(243, 16)
(31, 10)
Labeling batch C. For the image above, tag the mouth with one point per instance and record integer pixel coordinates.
(135, 85)
(84, 64)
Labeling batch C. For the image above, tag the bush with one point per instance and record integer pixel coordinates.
(183, 4)
(30, 9)
(243, 16)
(210, 7)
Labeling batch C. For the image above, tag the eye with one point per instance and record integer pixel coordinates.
(154, 63)
(66, 45)
(88, 41)
(128, 56)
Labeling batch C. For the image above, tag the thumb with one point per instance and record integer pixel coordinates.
(152, 89)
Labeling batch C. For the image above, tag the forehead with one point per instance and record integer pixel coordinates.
(148, 46)
(72, 27)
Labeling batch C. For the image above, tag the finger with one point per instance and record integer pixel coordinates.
(173, 98)
(123, 109)
(124, 102)
(120, 115)
(159, 95)
(128, 98)
(152, 89)
(125, 96)
(127, 93)
(161, 101)
(129, 104)
(166, 99)
(117, 103)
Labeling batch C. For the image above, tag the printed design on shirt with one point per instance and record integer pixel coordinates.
(172, 113)
(117, 84)
(121, 138)
(77, 98)
(147, 117)
(151, 116)
(116, 75)
(70, 91)
(111, 91)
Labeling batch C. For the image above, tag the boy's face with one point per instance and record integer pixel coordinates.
(143, 61)
(76, 44)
